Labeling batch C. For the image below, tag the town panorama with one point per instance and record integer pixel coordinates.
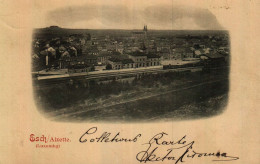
(130, 75)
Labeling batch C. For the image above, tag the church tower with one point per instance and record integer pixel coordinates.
(145, 40)
(145, 31)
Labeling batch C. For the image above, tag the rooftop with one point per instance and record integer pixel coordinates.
(127, 61)
(138, 53)
(214, 55)
(115, 59)
(124, 61)
(152, 56)
(84, 57)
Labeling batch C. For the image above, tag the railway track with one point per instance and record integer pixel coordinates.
(59, 79)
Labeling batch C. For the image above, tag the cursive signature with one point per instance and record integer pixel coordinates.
(158, 147)
(105, 137)
(177, 151)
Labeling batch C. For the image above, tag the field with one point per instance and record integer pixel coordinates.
(153, 97)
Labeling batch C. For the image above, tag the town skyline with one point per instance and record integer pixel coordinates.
(128, 29)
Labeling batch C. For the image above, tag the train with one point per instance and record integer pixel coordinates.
(197, 64)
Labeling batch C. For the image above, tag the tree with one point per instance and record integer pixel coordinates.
(108, 66)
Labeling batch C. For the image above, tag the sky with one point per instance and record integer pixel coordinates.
(121, 14)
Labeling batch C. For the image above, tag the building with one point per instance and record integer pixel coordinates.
(118, 63)
(128, 63)
(78, 68)
(142, 59)
(139, 59)
(179, 53)
(152, 60)
(103, 57)
(134, 60)
(70, 61)
(213, 59)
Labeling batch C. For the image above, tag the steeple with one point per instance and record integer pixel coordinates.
(145, 28)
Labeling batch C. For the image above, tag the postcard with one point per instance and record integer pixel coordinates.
(129, 81)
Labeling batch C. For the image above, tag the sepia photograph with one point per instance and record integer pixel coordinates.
(160, 63)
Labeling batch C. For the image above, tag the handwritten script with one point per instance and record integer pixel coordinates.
(158, 148)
